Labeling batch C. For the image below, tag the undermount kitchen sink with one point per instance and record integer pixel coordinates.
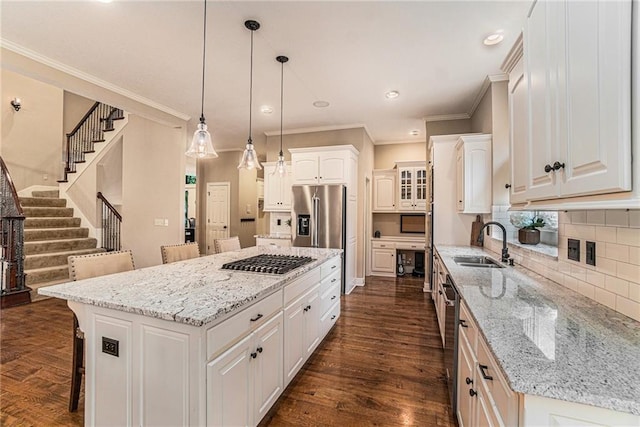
(477, 261)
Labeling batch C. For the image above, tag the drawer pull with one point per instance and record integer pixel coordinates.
(333, 317)
(259, 349)
(468, 380)
(258, 317)
(472, 392)
(254, 355)
(307, 308)
(463, 323)
(333, 281)
(484, 374)
(333, 297)
(333, 266)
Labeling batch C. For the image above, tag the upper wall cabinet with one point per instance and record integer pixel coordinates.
(384, 191)
(320, 166)
(577, 131)
(277, 193)
(473, 174)
(412, 186)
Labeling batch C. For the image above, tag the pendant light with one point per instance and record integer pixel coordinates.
(249, 157)
(201, 146)
(281, 166)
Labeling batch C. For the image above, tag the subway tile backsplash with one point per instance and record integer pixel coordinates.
(615, 279)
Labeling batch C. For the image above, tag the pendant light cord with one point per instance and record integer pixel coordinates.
(204, 50)
(251, 89)
(281, 101)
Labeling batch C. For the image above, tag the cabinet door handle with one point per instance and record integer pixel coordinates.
(440, 292)
(463, 323)
(259, 349)
(558, 166)
(333, 317)
(484, 374)
(254, 355)
(333, 297)
(258, 317)
(472, 392)
(333, 266)
(507, 186)
(334, 280)
(468, 380)
(548, 168)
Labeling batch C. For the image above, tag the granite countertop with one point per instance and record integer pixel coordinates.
(549, 340)
(194, 291)
(273, 236)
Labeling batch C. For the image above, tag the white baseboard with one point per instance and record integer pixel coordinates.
(359, 281)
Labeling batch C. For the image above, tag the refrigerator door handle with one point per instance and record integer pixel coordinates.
(314, 225)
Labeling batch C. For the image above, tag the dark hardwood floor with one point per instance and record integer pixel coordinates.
(381, 365)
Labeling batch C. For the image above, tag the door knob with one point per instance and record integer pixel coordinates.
(558, 166)
(507, 186)
(225, 227)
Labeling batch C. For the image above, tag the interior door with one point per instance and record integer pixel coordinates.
(218, 213)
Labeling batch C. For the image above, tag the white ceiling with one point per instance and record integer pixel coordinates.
(346, 53)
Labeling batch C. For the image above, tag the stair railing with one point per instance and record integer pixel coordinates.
(11, 237)
(111, 222)
(88, 131)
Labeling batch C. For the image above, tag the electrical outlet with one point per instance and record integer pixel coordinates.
(111, 346)
(573, 249)
(158, 221)
(166, 222)
(591, 253)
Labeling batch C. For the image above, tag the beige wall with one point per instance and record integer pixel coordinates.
(224, 168)
(153, 187)
(448, 127)
(31, 138)
(247, 206)
(386, 155)
(75, 107)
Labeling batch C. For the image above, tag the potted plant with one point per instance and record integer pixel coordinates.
(528, 233)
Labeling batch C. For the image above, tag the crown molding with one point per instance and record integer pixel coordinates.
(513, 56)
(321, 129)
(486, 84)
(445, 117)
(49, 62)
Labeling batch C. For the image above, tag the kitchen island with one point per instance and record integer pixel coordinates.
(554, 356)
(188, 343)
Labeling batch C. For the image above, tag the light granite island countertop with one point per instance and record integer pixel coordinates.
(578, 351)
(195, 291)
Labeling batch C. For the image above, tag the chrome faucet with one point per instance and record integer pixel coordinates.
(505, 251)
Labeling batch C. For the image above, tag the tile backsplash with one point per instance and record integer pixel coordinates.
(615, 279)
(282, 228)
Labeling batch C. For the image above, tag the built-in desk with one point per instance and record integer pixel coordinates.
(386, 250)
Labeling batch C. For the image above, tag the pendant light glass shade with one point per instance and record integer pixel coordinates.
(249, 157)
(281, 166)
(201, 146)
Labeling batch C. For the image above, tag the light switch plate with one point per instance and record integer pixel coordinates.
(591, 253)
(573, 249)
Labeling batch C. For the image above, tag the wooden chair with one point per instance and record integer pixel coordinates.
(225, 245)
(173, 253)
(85, 267)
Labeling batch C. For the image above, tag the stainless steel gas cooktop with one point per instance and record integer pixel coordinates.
(268, 263)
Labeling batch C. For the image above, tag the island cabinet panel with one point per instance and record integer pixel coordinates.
(112, 375)
(164, 377)
(268, 365)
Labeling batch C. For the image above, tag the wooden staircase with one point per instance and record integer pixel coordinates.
(51, 235)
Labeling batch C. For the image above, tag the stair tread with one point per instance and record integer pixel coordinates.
(73, 252)
(45, 269)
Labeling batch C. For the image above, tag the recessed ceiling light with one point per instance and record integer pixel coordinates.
(415, 132)
(493, 38)
(392, 94)
(266, 109)
(321, 104)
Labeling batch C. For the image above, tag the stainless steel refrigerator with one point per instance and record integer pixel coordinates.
(318, 215)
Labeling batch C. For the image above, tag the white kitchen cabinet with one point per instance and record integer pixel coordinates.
(466, 363)
(578, 72)
(473, 174)
(383, 258)
(244, 381)
(322, 165)
(412, 186)
(384, 191)
(277, 192)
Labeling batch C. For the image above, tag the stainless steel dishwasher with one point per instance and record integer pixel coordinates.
(452, 302)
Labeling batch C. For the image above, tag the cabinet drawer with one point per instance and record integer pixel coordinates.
(328, 297)
(234, 328)
(330, 318)
(470, 332)
(386, 245)
(301, 285)
(504, 399)
(330, 266)
(410, 246)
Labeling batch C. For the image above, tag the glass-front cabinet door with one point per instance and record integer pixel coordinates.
(405, 193)
(412, 188)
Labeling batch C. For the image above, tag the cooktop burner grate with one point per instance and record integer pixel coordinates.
(268, 263)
